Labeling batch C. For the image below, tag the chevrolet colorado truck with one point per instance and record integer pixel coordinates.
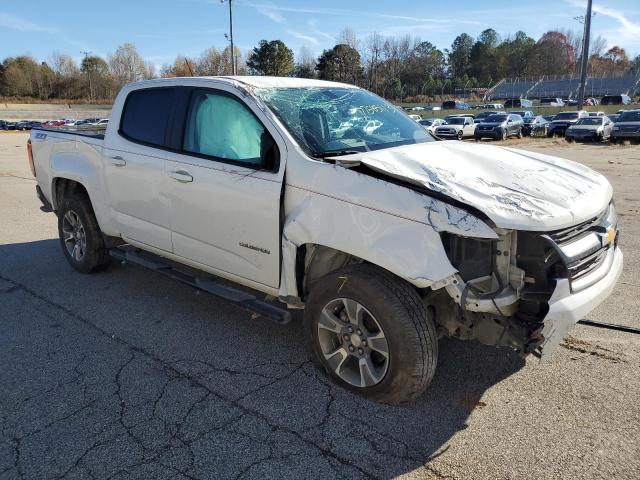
(388, 239)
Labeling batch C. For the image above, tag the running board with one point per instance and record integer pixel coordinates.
(239, 297)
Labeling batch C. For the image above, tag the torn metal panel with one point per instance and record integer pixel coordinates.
(515, 189)
(388, 225)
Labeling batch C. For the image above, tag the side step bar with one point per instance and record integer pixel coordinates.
(239, 297)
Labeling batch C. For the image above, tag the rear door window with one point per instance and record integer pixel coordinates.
(146, 114)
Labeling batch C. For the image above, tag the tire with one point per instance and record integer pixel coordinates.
(387, 305)
(459, 135)
(505, 135)
(85, 251)
(520, 133)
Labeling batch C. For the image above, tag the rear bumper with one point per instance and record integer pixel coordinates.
(566, 308)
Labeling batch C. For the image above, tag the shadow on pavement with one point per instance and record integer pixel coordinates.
(198, 381)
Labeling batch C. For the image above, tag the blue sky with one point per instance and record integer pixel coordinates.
(163, 29)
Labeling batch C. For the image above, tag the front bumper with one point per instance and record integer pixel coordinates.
(581, 136)
(622, 134)
(566, 308)
(447, 135)
(495, 133)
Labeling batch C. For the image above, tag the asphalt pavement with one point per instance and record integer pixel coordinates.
(126, 374)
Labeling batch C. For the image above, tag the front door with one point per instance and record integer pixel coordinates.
(225, 185)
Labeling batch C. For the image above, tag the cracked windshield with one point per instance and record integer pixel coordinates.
(340, 121)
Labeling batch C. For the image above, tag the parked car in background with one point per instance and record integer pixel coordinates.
(535, 126)
(518, 103)
(469, 115)
(572, 102)
(549, 118)
(499, 126)
(430, 124)
(564, 120)
(456, 128)
(616, 100)
(23, 125)
(551, 102)
(9, 126)
(614, 117)
(627, 127)
(489, 106)
(524, 113)
(415, 117)
(482, 115)
(455, 105)
(591, 102)
(596, 128)
(596, 114)
(101, 123)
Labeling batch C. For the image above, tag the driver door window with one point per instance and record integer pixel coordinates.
(221, 127)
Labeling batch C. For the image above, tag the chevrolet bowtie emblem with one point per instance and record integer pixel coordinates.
(610, 236)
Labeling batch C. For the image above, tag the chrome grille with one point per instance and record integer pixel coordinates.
(580, 266)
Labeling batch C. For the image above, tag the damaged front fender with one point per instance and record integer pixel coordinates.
(379, 222)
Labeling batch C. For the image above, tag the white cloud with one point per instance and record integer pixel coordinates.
(628, 28)
(302, 36)
(270, 13)
(14, 22)
(624, 33)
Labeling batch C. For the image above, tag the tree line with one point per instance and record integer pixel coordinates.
(394, 67)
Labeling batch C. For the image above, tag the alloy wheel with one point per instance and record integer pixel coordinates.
(75, 238)
(353, 343)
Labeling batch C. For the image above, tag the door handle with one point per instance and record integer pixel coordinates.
(181, 176)
(118, 161)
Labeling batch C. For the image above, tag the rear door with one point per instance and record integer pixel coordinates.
(135, 164)
(225, 174)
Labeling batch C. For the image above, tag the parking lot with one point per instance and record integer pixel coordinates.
(126, 374)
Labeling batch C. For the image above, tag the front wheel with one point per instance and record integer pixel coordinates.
(459, 135)
(504, 134)
(372, 334)
(520, 133)
(80, 237)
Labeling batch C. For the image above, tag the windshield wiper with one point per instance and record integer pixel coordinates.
(336, 153)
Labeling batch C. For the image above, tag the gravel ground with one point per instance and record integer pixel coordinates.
(126, 374)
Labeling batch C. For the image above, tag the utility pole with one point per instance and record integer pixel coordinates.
(88, 67)
(585, 56)
(233, 52)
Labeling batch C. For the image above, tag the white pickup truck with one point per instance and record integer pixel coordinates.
(389, 239)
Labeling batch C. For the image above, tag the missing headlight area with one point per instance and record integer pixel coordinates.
(472, 257)
(492, 300)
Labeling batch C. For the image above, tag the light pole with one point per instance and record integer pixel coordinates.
(585, 56)
(233, 52)
(88, 67)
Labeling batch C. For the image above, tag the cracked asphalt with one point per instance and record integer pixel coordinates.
(126, 374)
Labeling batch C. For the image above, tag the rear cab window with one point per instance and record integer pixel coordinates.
(146, 114)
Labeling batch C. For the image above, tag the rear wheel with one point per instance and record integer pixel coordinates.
(81, 240)
(372, 334)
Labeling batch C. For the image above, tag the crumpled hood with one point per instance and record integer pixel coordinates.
(516, 189)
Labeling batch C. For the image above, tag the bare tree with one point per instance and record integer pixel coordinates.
(127, 65)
